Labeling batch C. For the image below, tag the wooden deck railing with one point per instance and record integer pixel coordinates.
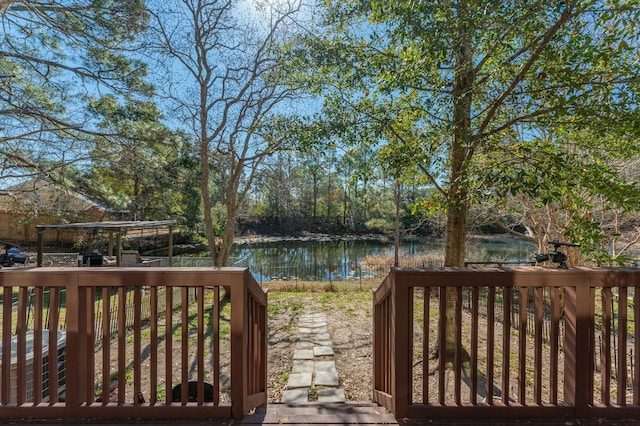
(180, 351)
(528, 342)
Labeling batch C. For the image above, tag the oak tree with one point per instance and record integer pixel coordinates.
(445, 84)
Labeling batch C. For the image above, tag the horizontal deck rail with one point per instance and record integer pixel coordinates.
(74, 346)
(514, 342)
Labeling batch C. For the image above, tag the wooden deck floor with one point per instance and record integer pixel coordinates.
(350, 413)
(363, 413)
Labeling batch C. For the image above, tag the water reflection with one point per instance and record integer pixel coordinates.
(338, 260)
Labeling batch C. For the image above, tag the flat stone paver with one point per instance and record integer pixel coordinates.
(327, 378)
(304, 344)
(331, 395)
(324, 366)
(303, 354)
(311, 317)
(314, 324)
(299, 380)
(322, 350)
(322, 336)
(303, 366)
(295, 396)
(311, 331)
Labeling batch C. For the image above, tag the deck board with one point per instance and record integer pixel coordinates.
(318, 413)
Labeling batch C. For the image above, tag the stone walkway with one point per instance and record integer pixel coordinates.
(314, 365)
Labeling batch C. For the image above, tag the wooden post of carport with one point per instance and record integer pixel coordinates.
(119, 247)
(170, 243)
(40, 243)
(110, 247)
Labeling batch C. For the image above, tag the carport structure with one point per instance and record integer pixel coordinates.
(118, 228)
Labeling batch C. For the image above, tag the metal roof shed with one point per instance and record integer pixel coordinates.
(115, 227)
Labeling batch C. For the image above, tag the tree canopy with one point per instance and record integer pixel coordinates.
(56, 57)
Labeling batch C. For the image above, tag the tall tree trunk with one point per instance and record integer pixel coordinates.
(397, 193)
(457, 206)
(229, 234)
(206, 202)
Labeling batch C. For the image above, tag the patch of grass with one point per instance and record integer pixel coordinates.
(347, 301)
(300, 286)
(161, 394)
(296, 306)
(284, 378)
(273, 310)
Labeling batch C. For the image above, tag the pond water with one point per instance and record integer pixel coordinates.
(326, 260)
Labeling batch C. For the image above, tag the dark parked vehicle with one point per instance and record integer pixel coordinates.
(12, 255)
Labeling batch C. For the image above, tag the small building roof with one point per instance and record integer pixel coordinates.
(112, 226)
(45, 196)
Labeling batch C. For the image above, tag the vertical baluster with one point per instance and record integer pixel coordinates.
(184, 350)
(621, 368)
(7, 310)
(153, 354)
(216, 345)
(90, 342)
(38, 309)
(137, 344)
(473, 367)
(106, 344)
(491, 341)
(459, 347)
(21, 349)
(605, 355)
(538, 341)
(442, 345)
(522, 344)
(425, 344)
(200, 334)
(53, 326)
(122, 341)
(554, 345)
(169, 345)
(506, 344)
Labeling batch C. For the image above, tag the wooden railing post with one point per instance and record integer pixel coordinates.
(401, 351)
(584, 347)
(239, 356)
(73, 359)
(577, 348)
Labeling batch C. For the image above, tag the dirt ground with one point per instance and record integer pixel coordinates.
(350, 327)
